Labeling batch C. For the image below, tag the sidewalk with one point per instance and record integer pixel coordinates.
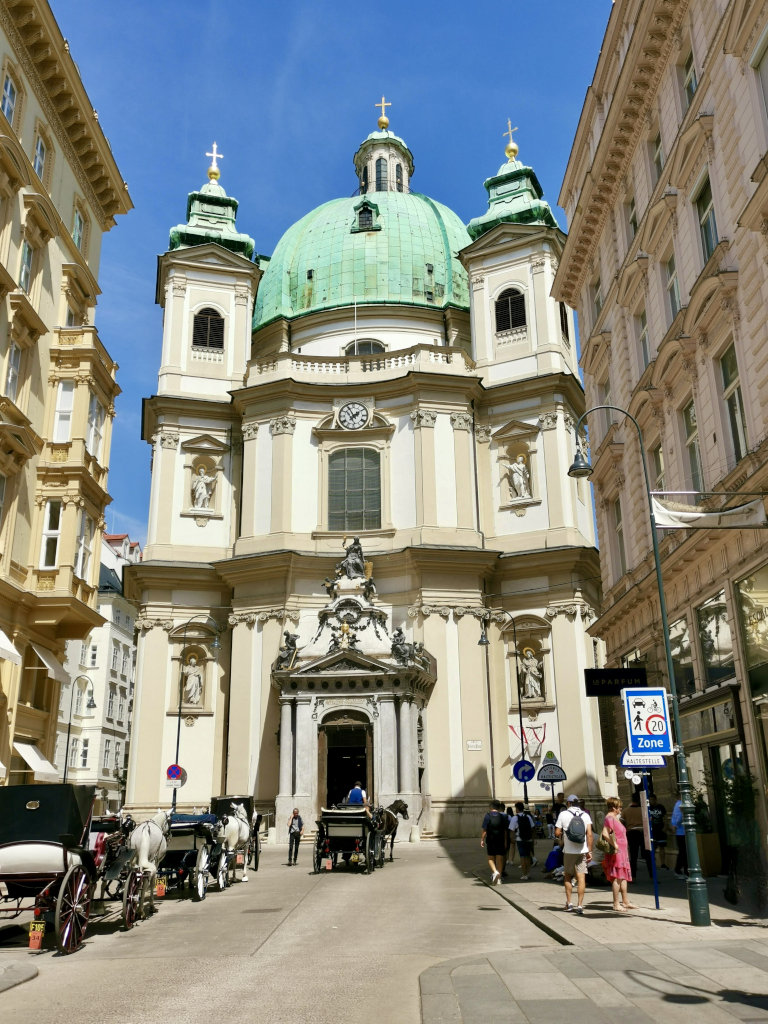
(643, 966)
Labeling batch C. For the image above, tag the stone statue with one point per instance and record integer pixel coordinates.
(402, 651)
(353, 565)
(193, 681)
(287, 652)
(532, 676)
(520, 478)
(202, 488)
(343, 638)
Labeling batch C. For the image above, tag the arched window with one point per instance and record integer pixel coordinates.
(208, 329)
(354, 489)
(399, 178)
(381, 175)
(365, 219)
(510, 310)
(364, 348)
(364, 185)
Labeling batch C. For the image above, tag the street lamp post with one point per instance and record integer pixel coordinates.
(484, 642)
(215, 644)
(90, 706)
(698, 901)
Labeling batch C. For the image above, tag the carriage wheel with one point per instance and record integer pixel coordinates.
(202, 869)
(256, 850)
(318, 858)
(132, 898)
(370, 863)
(73, 908)
(221, 872)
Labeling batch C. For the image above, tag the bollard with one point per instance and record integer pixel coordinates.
(415, 836)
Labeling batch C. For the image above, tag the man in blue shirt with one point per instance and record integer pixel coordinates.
(676, 821)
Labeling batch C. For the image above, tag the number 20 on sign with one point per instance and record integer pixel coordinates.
(647, 718)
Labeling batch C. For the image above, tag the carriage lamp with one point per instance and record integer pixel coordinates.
(698, 901)
(91, 704)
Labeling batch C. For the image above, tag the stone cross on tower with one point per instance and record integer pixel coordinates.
(383, 120)
(511, 148)
(214, 155)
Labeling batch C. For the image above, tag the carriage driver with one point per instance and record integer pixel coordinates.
(357, 795)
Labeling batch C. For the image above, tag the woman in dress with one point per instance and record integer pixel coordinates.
(616, 865)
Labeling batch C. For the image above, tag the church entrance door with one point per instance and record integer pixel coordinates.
(345, 751)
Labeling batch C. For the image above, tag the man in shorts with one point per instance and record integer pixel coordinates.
(521, 825)
(576, 855)
(494, 838)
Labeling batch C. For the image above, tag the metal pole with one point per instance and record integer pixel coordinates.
(698, 897)
(178, 716)
(69, 728)
(519, 707)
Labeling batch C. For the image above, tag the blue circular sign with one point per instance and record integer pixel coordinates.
(524, 771)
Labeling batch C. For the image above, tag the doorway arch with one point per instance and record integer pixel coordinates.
(345, 754)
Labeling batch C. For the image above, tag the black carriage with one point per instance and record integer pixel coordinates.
(45, 865)
(350, 832)
(193, 853)
(221, 806)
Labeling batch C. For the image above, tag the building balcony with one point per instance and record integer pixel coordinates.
(347, 369)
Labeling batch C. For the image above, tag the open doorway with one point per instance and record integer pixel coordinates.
(346, 756)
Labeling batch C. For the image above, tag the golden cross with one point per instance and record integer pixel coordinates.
(383, 104)
(510, 130)
(215, 155)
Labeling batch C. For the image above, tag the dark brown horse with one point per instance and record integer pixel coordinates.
(389, 823)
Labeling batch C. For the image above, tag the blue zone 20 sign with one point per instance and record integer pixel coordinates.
(647, 716)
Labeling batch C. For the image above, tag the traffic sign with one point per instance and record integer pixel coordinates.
(551, 772)
(174, 771)
(524, 771)
(647, 718)
(641, 760)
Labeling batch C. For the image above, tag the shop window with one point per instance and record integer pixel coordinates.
(715, 640)
(734, 403)
(510, 310)
(354, 489)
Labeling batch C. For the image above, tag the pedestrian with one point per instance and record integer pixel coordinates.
(657, 813)
(295, 832)
(521, 827)
(494, 839)
(511, 848)
(633, 820)
(616, 865)
(574, 829)
(558, 806)
(676, 822)
(550, 825)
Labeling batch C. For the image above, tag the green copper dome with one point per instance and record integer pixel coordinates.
(386, 246)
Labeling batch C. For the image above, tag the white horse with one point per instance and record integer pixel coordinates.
(149, 841)
(235, 835)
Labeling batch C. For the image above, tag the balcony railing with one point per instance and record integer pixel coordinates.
(341, 369)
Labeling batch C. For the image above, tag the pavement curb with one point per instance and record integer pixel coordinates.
(15, 973)
(551, 924)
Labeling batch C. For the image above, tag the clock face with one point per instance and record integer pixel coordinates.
(353, 415)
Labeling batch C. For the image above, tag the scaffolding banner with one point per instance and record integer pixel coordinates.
(676, 516)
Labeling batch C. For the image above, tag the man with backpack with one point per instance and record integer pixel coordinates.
(521, 825)
(574, 829)
(494, 839)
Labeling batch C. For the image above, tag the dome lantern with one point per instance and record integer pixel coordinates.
(383, 162)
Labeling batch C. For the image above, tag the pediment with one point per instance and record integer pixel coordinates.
(598, 346)
(689, 147)
(344, 663)
(632, 279)
(514, 430)
(508, 236)
(702, 311)
(657, 219)
(204, 443)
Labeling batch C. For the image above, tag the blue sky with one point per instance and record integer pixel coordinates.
(288, 93)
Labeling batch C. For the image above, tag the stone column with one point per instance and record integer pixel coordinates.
(387, 786)
(414, 806)
(304, 765)
(284, 800)
(406, 749)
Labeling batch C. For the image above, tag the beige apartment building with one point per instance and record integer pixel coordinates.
(666, 193)
(60, 189)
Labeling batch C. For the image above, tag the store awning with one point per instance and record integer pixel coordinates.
(55, 669)
(43, 769)
(7, 650)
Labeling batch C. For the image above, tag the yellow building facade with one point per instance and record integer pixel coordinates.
(60, 190)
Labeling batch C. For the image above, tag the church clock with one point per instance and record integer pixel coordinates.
(353, 416)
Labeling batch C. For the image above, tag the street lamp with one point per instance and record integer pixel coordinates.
(214, 645)
(698, 901)
(90, 706)
(484, 642)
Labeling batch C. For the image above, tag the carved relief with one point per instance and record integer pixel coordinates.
(169, 439)
(548, 421)
(483, 433)
(251, 618)
(423, 418)
(282, 425)
(461, 420)
(250, 430)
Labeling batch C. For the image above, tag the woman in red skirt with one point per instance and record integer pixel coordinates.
(616, 865)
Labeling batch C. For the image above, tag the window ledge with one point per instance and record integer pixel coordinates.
(320, 533)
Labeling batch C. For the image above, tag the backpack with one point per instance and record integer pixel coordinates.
(524, 828)
(497, 825)
(577, 830)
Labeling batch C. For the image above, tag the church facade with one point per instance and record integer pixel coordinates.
(365, 560)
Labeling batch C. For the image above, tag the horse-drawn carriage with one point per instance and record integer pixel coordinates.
(193, 853)
(239, 836)
(45, 865)
(359, 835)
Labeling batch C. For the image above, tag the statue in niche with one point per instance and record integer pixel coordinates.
(287, 652)
(520, 478)
(353, 565)
(202, 489)
(532, 675)
(193, 681)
